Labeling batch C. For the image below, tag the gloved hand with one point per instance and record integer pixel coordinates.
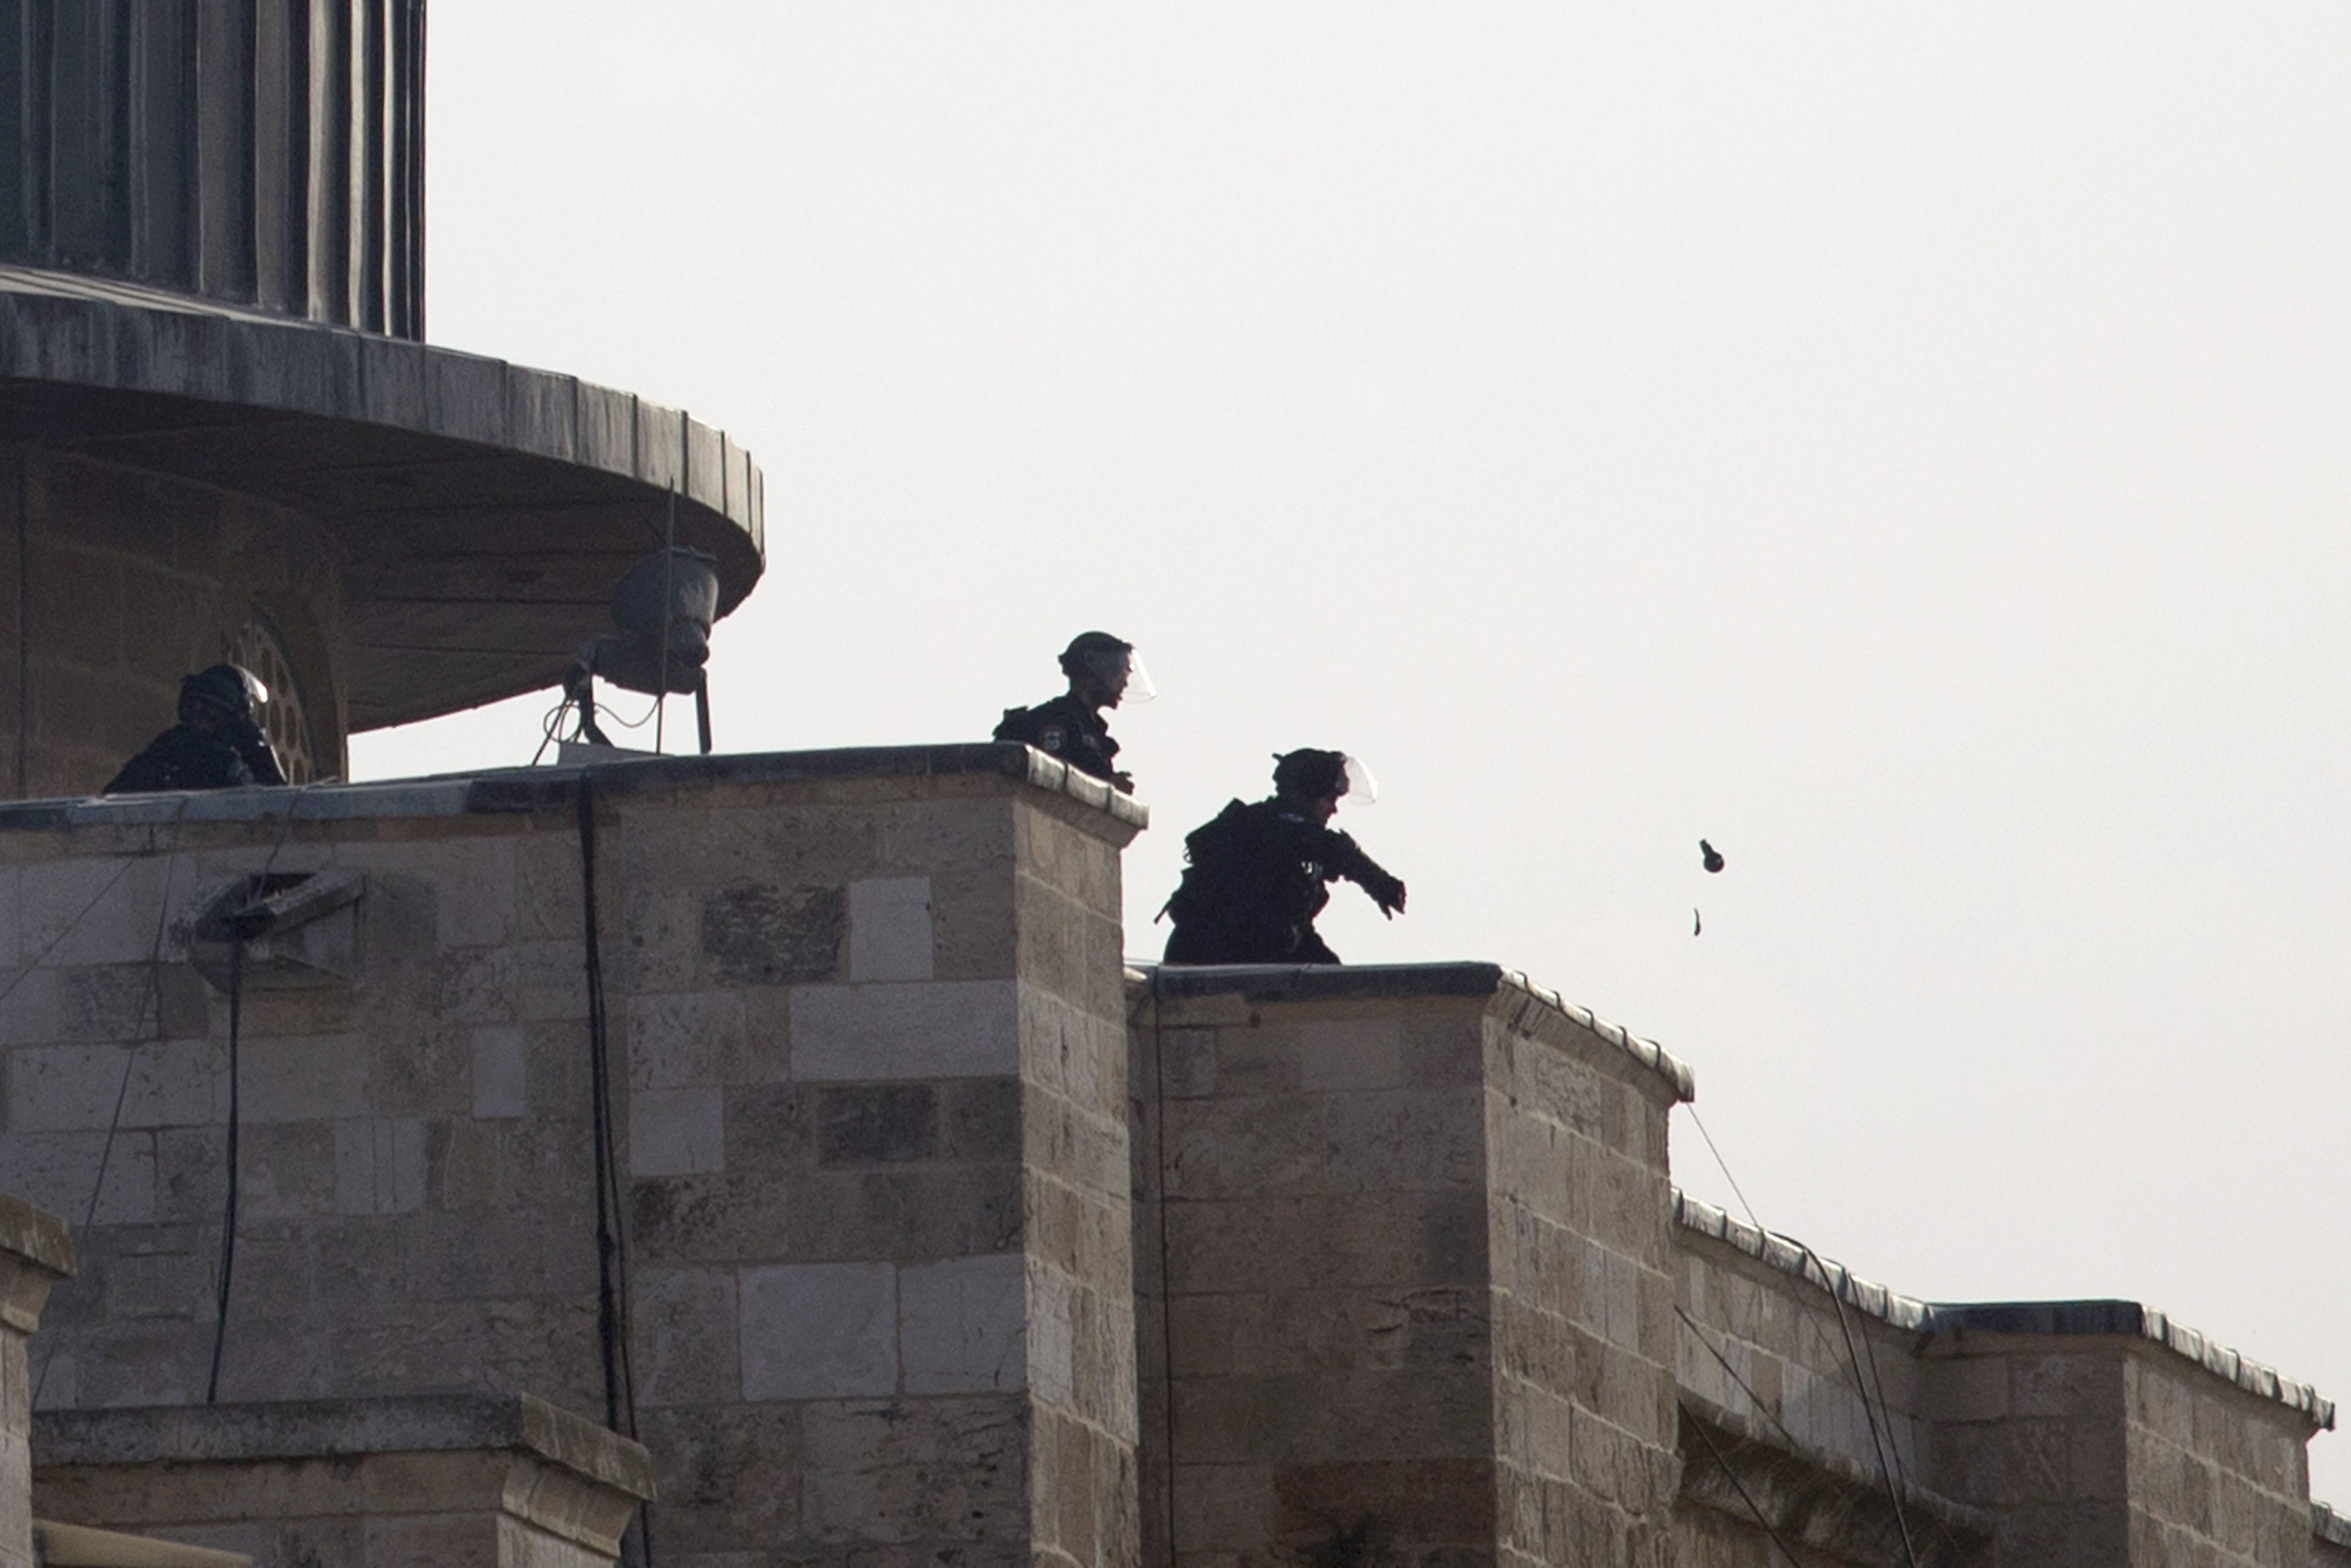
(1386, 890)
(254, 746)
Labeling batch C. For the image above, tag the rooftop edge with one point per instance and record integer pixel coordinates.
(2053, 1318)
(320, 1428)
(1325, 982)
(524, 791)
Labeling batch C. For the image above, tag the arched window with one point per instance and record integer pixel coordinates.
(261, 648)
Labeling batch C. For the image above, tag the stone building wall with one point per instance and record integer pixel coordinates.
(2094, 1442)
(867, 1041)
(1403, 1270)
(115, 581)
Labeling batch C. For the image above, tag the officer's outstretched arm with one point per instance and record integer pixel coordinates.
(1385, 889)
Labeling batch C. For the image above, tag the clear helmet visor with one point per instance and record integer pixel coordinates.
(1363, 789)
(1139, 688)
(1120, 669)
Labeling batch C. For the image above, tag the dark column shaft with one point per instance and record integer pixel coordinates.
(265, 151)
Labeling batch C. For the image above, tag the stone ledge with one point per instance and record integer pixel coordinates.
(78, 1546)
(341, 1428)
(2059, 1318)
(524, 791)
(1328, 982)
(1862, 1481)
(2329, 1526)
(36, 1234)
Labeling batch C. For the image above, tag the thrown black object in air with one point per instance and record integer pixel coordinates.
(1710, 856)
(1698, 924)
(662, 608)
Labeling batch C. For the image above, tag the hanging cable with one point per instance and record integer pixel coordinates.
(1872, 1410)
(242, 925)
(1869, 1411)
(228, 1205)
(152, 996)
(1738, 1486)
(1167, 1275)
(1744, 1387)
(612, 1237)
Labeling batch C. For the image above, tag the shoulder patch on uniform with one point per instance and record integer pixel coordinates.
(1050, 737)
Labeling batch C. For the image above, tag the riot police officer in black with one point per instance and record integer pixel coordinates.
(1104, 671)
(216, 745)
(1259, 873)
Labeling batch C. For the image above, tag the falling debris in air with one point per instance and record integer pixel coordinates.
(1711, 857)
(1696, 925)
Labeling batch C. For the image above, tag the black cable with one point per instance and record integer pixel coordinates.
(238, 934)
(1739, 1486)
(152, 995)
(612, 1239)
(1745, 1387)
(1869, 1412)
(1872, 1410)
(228, 1209)
(1166, 1277)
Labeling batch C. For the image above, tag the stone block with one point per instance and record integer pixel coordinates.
(933, 836)
(983, 1120)
(380, 1164)
(57, 1089)
(475, 892)
(1188, 1058)
(961, 1322)
(501, 1084)
(288, 1170)
(303, 1079)
(729, 1482)
(677, 1132)
(695, 1038)
(91, 911)
(661, 939)
(59, 1172)
(938, 1028)
(890, 928)
(687, 1339)
(765, 935)
(1353, 1054)
(819, 1330)
(879, 1123)
(938, 1469)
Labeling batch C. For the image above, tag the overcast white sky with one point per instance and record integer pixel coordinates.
(1907, 445)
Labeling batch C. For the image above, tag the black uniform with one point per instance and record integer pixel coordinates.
(1259, 874)
(1072, 731)
(186, 758)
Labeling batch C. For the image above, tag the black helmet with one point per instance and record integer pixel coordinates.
(1102, 654)
(223, 687)
(1309, 774)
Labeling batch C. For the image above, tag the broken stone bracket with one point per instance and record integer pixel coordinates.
(299, 929)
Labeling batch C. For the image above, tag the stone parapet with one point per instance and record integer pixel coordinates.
(464, 1480)
(2053, 1318)
(1403, 1288)
(2019, 1434)
(2330, 1538)
(866, 1063)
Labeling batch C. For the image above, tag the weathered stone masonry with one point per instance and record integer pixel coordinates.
(868, 1030)
(950, 1240)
